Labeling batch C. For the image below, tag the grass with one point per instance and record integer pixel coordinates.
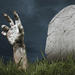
(42, 67)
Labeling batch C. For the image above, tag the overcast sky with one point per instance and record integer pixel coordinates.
(35, 16)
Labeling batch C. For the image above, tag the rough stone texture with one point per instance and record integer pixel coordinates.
(61, 34)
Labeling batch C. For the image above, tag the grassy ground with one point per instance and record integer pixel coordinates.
(42, 67)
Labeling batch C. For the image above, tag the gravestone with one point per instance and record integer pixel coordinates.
(61, 34)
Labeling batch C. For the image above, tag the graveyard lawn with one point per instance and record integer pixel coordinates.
(40, 67)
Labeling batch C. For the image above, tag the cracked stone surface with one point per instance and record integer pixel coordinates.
(61, 34)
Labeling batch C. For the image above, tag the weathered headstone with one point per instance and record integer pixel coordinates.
(61, 34)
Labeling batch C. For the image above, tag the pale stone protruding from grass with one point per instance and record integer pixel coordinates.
(61, 34)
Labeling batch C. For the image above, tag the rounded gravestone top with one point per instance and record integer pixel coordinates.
(61, 34)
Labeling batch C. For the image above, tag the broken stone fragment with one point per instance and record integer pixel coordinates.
(61, 34)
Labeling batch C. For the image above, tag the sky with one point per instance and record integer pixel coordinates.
(35, 16)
